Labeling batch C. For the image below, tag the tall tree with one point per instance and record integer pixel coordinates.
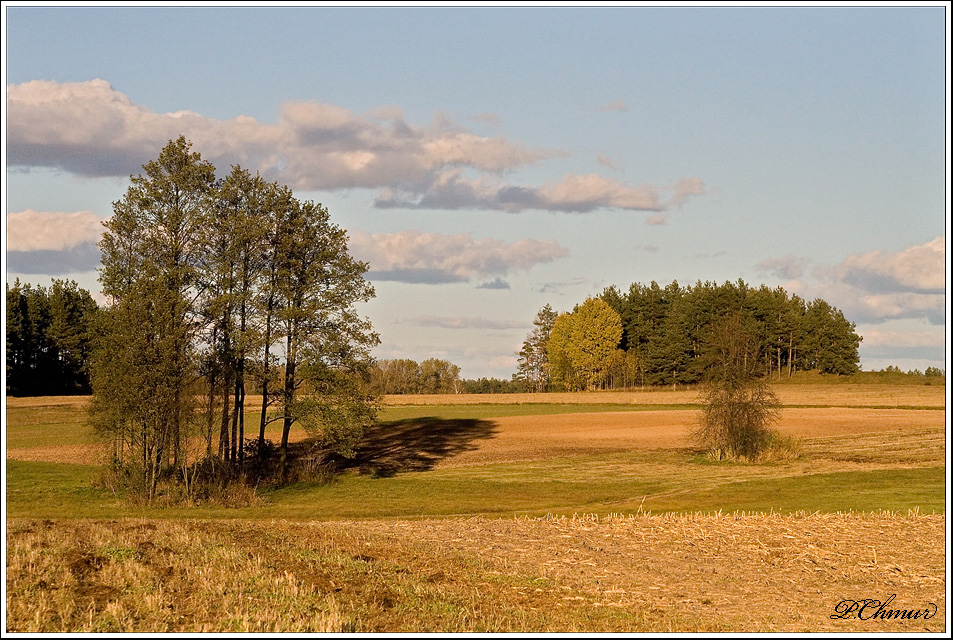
(533, 357)
(582, 343)
(317, 284)
(150, 252)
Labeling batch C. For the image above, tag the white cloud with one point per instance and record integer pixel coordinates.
(903, 339)
(919, 269)
(31, 230)
(431, 258)
(573, 193)
(91, 129)
(877, 286)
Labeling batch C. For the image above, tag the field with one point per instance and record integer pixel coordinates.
(531, 513)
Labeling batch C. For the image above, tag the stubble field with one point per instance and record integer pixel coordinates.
(575, 512)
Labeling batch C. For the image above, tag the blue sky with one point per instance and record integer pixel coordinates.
(487, 161)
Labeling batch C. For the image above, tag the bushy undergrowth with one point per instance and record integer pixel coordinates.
(213, 481)
(774, 448)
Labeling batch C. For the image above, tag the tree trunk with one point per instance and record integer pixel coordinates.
(288, 401)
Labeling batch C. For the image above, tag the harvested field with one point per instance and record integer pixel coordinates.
(583, 574)
(536, 437)
(516, 438)
(398, 549)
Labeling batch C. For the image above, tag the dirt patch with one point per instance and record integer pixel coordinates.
(520, 438)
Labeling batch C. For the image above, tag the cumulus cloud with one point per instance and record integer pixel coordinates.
(906, 339)
(907, 346)
(496, 283)
(466, 323)
(31, 230)
(52, 242)
(91, 129)
(78, 259)
(919, 269)
(431, 258)
(878, 286)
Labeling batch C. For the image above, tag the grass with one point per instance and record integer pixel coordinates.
(602, 542)
(677, 481)
(623, 575)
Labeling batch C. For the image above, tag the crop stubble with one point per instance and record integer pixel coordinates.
(622, 574)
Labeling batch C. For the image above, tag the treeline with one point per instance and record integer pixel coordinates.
(48, 339)
(404, 376)
(217, 285)
(653, 335)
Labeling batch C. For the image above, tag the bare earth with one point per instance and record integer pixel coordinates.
(538, 437)
(520, 438)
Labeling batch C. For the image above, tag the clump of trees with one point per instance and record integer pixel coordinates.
(48, 345)
(404, 376)
(665, 331)
(216, 286)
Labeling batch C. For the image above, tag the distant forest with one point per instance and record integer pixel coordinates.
(663, 334)
(48, 339)
(653, 335)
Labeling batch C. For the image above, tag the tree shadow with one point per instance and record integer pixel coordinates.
(417, 444)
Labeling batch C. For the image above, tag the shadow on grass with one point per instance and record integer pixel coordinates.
(417, 444)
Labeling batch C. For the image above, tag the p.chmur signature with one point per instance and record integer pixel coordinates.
(871, 609)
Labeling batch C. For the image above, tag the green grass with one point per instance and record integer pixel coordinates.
(860, 491)
(610, 483)
(47, 426)
(825, 479)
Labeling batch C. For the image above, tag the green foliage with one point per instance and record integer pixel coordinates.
(582, 345)
(665, 330)
(405, 376)
(533, 358)
(48, 339)
(206, 279)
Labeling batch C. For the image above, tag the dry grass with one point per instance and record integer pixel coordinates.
(643, 573)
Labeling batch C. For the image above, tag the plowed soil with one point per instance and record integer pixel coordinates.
(538, 437)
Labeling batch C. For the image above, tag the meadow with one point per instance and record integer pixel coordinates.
(536, 512)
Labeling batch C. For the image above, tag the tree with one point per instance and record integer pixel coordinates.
(150, 257)
(48, 338)
(533, 358)
(582, 343)
(739, 404)
(317, 283)
(831, 343)
(212, 284)
(562, 370)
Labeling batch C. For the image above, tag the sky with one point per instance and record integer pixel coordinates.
(487, 161)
